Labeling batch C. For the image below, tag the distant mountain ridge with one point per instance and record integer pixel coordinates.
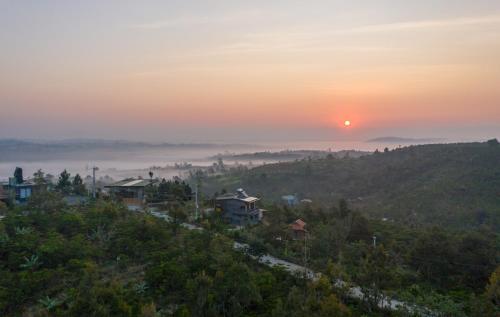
(105, 142)
(393, 139)
(17, 150)
(288, 155)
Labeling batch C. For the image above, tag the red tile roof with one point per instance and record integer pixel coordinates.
(299, 225)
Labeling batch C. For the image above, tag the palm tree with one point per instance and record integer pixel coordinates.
(23, 230)
(141, 288)
(31, 262)
(49, 303)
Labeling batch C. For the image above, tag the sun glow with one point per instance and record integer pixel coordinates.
(347, 123)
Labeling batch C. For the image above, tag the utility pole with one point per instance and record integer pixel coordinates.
(94, 169)
(374, 241)
(305, 255)
(196, 202)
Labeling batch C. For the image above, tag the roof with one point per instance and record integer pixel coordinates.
(239, 195)
(131, 182)
(232, 196)
(249, 199)
(25, 183)
(298, 224)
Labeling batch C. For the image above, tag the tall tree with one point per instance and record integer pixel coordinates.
(64, 184)
(78, 186)
(433, 255)
(39, 177)
(375, 274)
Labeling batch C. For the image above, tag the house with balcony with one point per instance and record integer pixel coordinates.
(238, 208)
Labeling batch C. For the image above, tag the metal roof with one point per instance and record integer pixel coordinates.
(131, 182)
(239, 195)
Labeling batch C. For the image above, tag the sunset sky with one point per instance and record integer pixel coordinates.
(249, 70)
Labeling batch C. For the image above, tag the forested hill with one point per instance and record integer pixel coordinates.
(455, 185)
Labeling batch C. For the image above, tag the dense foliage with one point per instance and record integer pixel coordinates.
(454, 185)
(102, 260)
(99, 259)
(169, 190)
(441, 270)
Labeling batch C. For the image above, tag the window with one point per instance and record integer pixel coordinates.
(25, 193)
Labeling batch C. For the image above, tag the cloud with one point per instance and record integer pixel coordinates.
(320, 38)
(174, 22)
(186, 21)
(427, 24)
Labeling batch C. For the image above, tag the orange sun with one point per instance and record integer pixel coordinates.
(347, 123)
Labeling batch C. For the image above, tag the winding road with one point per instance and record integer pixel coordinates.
(354, 292)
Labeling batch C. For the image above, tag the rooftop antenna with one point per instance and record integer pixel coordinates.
(94, 169)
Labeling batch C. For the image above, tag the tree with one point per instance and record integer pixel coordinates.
(492, 292)
(344, 210)
(18, 175)
(220, 165)
(493, 142)
(78, 186)
(98, 299)
(46, 202)
(332, 306)
(3, 207)
(257, 247)
(236, 290)
(375, 275)
(30, 263)
(339, 278)
(200, 294)
(49, 303)
(433, 256)
(177, 215)
(64, 184)
(39, 177)
(476, 252)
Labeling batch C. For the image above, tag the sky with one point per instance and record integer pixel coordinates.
(190, 71)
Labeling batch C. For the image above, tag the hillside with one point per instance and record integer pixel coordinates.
(289, 155)
(456, 185)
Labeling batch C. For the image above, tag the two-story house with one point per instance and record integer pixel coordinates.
(238, 209)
